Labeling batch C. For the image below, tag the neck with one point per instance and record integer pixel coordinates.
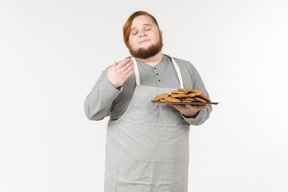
(156, 59)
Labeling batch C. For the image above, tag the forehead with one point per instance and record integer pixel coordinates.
(142, 20)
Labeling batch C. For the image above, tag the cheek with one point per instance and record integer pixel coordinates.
(132, 42)
(157, 36)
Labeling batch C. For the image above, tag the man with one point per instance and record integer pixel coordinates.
(147, 145)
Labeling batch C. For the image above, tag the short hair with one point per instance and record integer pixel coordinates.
(128, 24)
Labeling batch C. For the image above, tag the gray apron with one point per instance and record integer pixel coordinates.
(147, 148)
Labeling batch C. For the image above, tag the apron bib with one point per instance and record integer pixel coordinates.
(147, 148)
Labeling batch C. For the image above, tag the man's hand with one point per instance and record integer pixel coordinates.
(189, 110)
(118, 74)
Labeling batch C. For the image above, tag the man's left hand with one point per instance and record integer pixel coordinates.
(189, 110)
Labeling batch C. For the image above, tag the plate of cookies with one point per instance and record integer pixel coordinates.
(183, 96)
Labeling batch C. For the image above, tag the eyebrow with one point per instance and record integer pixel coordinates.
(145, 24)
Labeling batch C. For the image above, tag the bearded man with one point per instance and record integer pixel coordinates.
(147, 146)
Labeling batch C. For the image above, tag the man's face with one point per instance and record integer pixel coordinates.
(145, 39)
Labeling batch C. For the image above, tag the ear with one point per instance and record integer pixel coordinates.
(161, 32)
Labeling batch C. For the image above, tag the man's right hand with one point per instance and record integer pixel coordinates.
(118, 74)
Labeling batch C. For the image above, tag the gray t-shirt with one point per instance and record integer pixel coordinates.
(105, 100)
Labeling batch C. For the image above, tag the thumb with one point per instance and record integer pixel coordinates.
(203, 107)
(115, 64)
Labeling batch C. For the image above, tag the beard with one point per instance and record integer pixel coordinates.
(151, 51)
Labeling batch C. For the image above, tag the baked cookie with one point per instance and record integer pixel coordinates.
(185, 90)
(188, 99)
(200, 99)
(170, 99)
(178, 92)
(205, 98)
(161, 96)
(179, 95)
(195, 93)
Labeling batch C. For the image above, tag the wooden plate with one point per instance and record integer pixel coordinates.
(186, 103)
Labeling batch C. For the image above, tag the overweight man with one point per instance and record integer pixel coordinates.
(147, 145)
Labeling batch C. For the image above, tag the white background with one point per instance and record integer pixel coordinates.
(52, 52)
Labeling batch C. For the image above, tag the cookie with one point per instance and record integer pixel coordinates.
(184, 101)
(161, 96)
(185, 90)
(187, 99)
(170, 99)
(179, 95)
(205, 98)
(195, 94)
(177, 92)
(200, 99)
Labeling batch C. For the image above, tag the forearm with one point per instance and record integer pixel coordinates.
(99, 102)
(200, 117)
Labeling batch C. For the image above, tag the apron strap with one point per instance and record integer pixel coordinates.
(137, 74)
(178, 73)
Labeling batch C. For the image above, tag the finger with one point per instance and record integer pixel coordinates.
(200, 107)
(188, 106)
(204, 107)
(129, 74)
(115, 64)
(191, 107)
(196, 106)
(128, 68)
(178, 107)
(124, 68)
(123, 63)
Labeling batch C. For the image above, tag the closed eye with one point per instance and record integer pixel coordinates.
(134, 32)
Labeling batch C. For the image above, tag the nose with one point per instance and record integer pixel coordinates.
(142, 33)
